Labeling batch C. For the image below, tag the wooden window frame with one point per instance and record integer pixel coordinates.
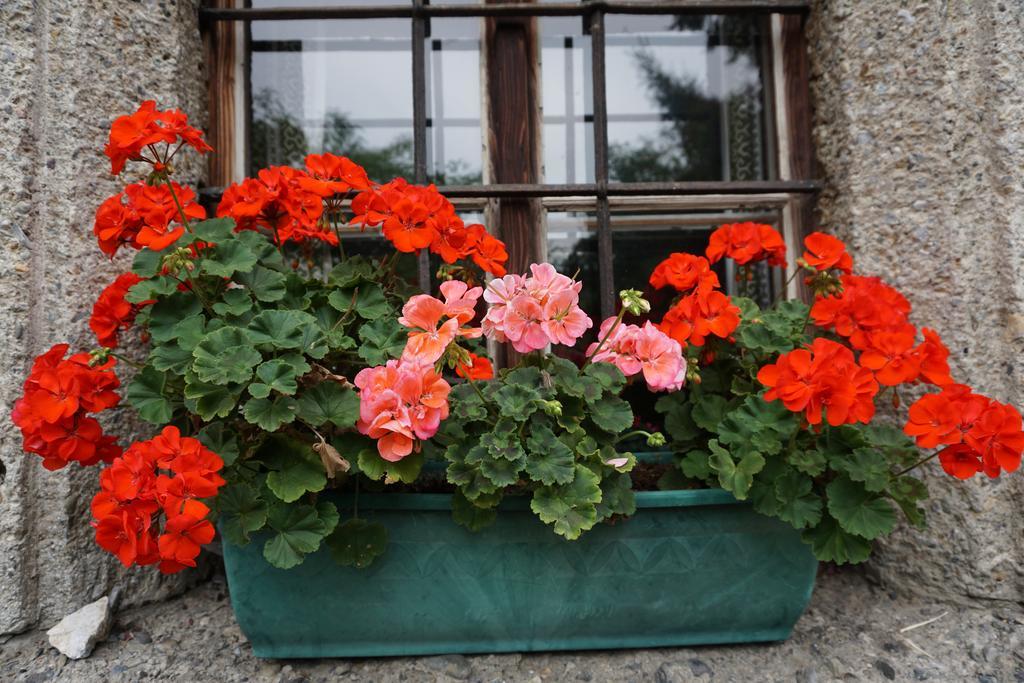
(512, 195)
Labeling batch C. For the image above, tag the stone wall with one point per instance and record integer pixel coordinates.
(919, 130)
(67, 67)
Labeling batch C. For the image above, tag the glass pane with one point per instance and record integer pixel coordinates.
(640, 241)
(454, 142)
(685, 98)
(341, 86)
(567, 109)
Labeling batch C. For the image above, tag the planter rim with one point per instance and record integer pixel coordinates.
(443, 501)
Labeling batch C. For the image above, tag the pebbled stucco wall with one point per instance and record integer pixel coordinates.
(67, 67)
(919, 131)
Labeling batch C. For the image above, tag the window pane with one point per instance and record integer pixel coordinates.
(454, 142)
(572, 250)
(685, 98)
(641, 240)
(319, 86)
(567, 102)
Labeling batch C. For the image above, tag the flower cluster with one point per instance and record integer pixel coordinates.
(825, 252)
(400, 402)
(822, 380)
(475, 368)
(422, 314)
(703, 310)
(286, 202)
(53, 413)
(133, 134)
(536, 310)
(746, 243)
(166, 475)
(414, 217)
(978, 433)
(144, 216)
(634, 349)
(112, 313)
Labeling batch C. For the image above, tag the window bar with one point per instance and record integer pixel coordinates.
(419, 119)
(604, 230)
(508, 9)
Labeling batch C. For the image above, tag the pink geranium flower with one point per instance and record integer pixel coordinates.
(532, 312)
(646, 350)
(399, 403)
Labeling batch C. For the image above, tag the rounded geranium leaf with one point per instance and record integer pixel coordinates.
(358, 542)
(331, 402)
(570, 508)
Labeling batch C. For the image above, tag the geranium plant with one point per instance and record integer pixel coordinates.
(277, 368)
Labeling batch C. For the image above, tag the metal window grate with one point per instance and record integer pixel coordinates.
(592, 13)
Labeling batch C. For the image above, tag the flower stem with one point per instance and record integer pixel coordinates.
(181, 211)
(597, 349)
(915, 465)
(635, 432)
(126, 359)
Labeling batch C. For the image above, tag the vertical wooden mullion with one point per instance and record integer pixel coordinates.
(604, 231)
(419, 120)
(221, 52)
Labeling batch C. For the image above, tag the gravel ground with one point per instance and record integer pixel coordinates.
(852, 632)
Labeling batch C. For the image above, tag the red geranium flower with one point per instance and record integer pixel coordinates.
(746, 243)
(479, 367)
(822, 380)
(866, 304)
(281, 201)
(144, 216)
(684, 272)
(111, 313)
(825, 252)
(131, 134)
(960, 461)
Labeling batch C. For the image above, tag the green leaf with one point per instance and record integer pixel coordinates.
(907, 491)
(329, 402)
(225, 356)
(797, 505)
(328, 514)
(265, 284)
(867, 466)
(242, 512)
(465, 404)
(550, 461)
(678, 421)
(146, 393)
(350, 272)
(210, 400)
(758, 425)
(375, 467)
(517, 401)
(616, 496)
(222, 440)
(270, 414)
(831, 543)
(228, 258)
(216, 230)
(695, 465)
(501, 472)
(369, 300)
(611, 414)
(469, 515)
(275, 375)
(280, 329)
(859, 511)
(298, 531)
(264, 249)
(735, 477)
(170, 357)
(383, 340)
(357, 543)
(709, 411)
(807, 460)
(233, 302)
(148, 263)
(504, 445)
(294, 468)
(464, 471)
(166, 313)
(571, 508)
(776, 330)
(151, 289)
(190, 331)
(607, 375)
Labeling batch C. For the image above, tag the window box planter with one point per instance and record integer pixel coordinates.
(689, 568)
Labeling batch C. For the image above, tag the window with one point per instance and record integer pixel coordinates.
(597, 135)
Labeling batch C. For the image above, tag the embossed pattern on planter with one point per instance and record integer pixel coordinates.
(706, 570)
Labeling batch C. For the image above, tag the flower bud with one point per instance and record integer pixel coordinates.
(552, 408)
(634, 302)
(656, 440)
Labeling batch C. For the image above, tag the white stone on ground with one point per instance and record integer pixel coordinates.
(77, 633)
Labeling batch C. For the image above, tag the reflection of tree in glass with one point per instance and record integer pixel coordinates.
(689, 144)
(278, 139)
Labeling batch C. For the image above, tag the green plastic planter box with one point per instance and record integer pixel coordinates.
(689, 568)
